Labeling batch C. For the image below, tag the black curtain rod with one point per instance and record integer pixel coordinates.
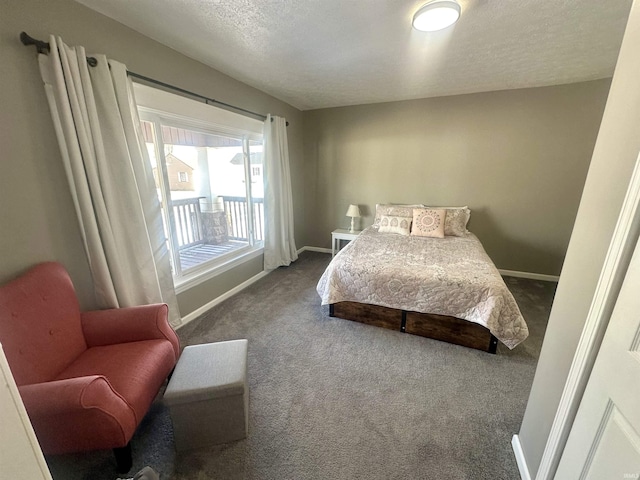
(206, 100)
(44, 47)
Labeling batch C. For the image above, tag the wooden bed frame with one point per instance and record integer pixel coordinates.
(439, 327)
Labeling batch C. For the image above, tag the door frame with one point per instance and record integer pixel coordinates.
(623, 243)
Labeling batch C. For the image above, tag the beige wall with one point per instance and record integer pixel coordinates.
(615, 154)
(518, 158)
(37, 219)
(236, 276)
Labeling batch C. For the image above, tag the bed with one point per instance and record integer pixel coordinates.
(439, 287)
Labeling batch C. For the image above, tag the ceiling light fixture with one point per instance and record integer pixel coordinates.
(436, 15)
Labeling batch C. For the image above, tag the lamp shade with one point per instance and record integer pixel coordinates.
(353, 211)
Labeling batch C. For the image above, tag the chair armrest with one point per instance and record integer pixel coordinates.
(62, 396)
(74, 405)
(131, 324)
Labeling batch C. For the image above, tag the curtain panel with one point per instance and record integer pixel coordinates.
(279, 243)
(110, 178)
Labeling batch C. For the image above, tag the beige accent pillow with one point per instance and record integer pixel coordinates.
(428, 222)
(393, 210)
(395, 224)
(455, 224)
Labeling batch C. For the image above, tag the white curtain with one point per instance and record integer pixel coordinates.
(279, 244)
(110, 178)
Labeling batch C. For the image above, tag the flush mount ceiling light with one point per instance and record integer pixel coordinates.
(436, 15)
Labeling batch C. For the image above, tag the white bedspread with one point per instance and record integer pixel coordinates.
(446, 276)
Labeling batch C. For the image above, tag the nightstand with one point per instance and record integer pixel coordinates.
(341, 234)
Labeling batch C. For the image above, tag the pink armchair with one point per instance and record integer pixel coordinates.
(86, 379)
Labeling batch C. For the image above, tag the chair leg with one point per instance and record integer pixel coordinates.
(124, 460)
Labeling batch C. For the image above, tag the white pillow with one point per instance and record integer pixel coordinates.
(393, 210)
(395, 224)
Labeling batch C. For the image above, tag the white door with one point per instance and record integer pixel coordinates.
(604, 442)
(20, 454)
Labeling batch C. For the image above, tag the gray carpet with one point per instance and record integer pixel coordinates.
(334, 399)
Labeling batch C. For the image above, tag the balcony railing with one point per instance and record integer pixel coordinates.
(236, 210)
(188, 218)
(189, 224)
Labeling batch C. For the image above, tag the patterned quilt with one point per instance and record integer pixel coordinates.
(446, 276)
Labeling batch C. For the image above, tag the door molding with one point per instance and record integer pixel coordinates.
(623, 242)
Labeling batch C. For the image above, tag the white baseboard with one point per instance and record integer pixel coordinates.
(529, 275)
(208, 306)
(314, 249)
(520, 460)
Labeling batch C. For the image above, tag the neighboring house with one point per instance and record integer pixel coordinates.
(257, 170)
(180, 174)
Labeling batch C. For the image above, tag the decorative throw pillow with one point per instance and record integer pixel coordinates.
(455, 223)
(395, 224)
(394, 211)
(428, 222)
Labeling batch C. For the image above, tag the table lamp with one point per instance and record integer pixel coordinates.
(353, 212)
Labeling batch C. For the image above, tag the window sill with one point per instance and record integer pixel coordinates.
(196, 278)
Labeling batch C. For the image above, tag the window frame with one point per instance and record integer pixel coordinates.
(158, 117)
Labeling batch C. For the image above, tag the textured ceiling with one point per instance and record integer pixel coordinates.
(325, 53)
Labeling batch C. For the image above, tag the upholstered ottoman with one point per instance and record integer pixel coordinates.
(207, 395)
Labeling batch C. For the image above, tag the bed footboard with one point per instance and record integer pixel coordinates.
(439, 327)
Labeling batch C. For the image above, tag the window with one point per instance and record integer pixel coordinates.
(210, 184)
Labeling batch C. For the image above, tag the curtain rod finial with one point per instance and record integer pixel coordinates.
(26, 39)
